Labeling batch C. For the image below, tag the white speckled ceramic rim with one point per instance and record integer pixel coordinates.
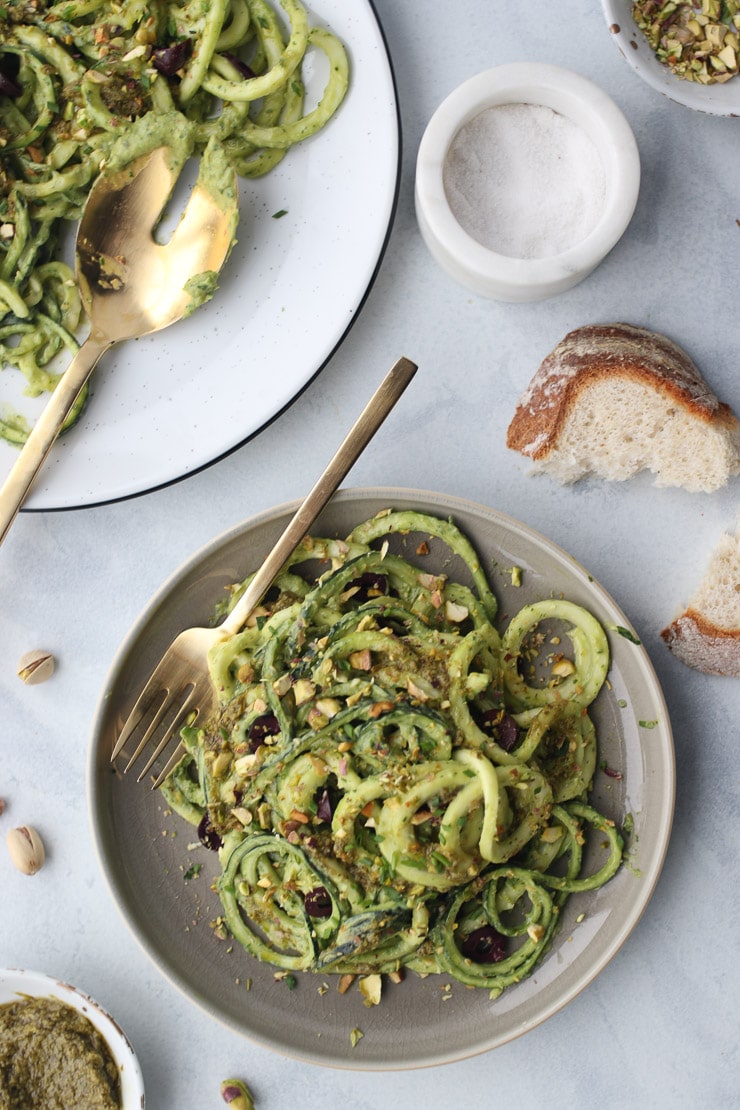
(15, 983)
(717, 100)
(586, 105)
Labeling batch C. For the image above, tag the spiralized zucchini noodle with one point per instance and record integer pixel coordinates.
(75, 75)
(387, 782)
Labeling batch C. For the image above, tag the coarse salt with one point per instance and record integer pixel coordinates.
(525, 181)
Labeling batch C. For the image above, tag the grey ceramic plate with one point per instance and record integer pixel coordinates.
(146, 852)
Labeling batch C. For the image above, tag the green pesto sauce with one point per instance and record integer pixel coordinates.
(53, 1058)
(215, 175)
(145, 134)
(200, 289)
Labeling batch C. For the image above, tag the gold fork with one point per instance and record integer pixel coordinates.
(180, 687)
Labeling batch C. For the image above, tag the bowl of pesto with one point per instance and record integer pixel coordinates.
(58, 1047)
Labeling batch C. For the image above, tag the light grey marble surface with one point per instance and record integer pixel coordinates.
(658, 1028)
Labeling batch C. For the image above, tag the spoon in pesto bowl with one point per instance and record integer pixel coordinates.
(130, 284)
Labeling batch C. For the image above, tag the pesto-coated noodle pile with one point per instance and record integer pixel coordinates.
(387, 781)
(75, 76)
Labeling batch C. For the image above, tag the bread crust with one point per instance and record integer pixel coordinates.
(595, 351)
(700, 644)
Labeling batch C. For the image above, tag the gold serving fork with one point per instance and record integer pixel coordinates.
(130, 284)
(180, 689)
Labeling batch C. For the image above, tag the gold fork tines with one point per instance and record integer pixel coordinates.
(169, 726)
(180, 687)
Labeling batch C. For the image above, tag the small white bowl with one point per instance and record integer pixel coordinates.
(717, 100)
(526, 279)
(15, 984)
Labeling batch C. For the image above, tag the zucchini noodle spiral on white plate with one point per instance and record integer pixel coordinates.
(75, 77)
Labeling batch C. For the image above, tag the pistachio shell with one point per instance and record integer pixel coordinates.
(26, 849)
(35, 667)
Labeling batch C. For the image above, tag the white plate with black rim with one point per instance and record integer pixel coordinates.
(165, 406)
(419, 1021)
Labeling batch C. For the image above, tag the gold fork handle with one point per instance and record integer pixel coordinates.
(355, 442)
(46, 429)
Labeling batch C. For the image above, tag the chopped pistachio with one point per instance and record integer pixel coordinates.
(281, 685)
(476, 682)
(345, 982)
(563, 667)
(456, 613)
(316, 719)
(329, 707)
(416, 691)
(303, 690)
(244, 764)
(221, 764)
(693, 45)
(370, 988)
(243, 815)
(361, 660)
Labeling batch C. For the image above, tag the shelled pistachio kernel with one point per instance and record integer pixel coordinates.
(237, 1094)
(26, 849)
(35, 667)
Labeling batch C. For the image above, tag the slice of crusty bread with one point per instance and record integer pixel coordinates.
(614, 399)
(707, 635)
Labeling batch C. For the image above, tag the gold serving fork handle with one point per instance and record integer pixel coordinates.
(130, 284)
(180, 687)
